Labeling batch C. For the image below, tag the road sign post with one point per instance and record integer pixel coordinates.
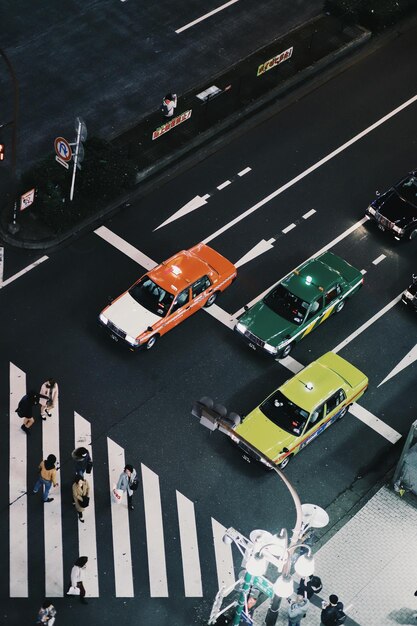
(81, 129)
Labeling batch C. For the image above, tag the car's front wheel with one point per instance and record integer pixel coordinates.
(286, 351)
(284, 462)
(211, 299)
(413, 234)
(151, 342)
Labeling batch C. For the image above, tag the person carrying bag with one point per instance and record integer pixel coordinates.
(80, 495)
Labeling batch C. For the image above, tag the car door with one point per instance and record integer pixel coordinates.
(199, 292)
(313, 427)
(332, 298)
(314, 314)
(334, 405)
(180, 310)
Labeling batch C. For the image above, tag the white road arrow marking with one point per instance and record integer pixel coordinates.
(260, 248)
(193, 204)
(405, 362)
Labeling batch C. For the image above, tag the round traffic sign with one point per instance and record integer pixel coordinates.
(63, 149)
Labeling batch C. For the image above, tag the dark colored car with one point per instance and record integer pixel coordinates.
(396, 209)
(409, 296)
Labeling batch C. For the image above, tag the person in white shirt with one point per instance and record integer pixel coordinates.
(77, 576)
(48, 397)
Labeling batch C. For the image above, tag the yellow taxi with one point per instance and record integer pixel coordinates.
(300, 410)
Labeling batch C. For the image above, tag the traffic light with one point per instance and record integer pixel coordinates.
(214, 416)
(1, 151)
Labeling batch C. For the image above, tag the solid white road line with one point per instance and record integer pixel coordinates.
(225, 184)
(309, 214)
(245, 171)
(154, 534)
(373, 422)
(291, 364)
(189, 547)
(409, 359)
(220, 315)
(204, 17)
(87, 538)
(54, 566)
(379, 259)
(288, 228)
(1, 265)
(18, 517)
(22, 272)
(363, 272)
(123, 576)
(366, 325)
(123, 246)
(192, 205)
(224, 558)
(329, 245)
(309, 170)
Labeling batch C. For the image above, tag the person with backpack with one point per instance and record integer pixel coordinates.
(46, 613)
(80, 495)
(128, 482)
(47, 477)
(332, 612)
(169, 103)
(309, 586)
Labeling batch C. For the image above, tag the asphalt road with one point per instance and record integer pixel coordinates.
(142, 401)
(111, 62)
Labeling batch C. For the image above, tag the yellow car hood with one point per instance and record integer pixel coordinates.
(261, 433)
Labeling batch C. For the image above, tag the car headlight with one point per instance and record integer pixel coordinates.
(371, 210)
(270, 349)
(241, 328)
(103, 318)
(408, 295)
(398, 230)
(132, 340)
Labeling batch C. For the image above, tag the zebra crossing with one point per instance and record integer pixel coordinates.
(124, 555)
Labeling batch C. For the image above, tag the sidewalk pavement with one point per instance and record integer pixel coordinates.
(371, 564)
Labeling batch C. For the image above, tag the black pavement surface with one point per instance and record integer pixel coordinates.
(244, 89)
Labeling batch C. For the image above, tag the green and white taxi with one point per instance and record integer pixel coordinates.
(300, 410)
(300, 302)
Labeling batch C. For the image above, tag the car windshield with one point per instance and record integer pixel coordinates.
(287, 305)
(151, 296)
(407, 190)
(285, 413)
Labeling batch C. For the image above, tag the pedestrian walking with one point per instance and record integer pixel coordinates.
(169, 103)
(47, 477)
(48, 397)
(77, 579)
(128, 482)
(46, 613)
(297, 609)
(80, 495)
(25, 410)
(332, 612)
(82, 461)
(309, 586)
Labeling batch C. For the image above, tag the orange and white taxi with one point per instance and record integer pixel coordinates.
(167, 295)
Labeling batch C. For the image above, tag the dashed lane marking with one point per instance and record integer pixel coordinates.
(288, 228)
(225, 184)
(245, 171)
(309, 170)
(205, 16)
(309, 214)
(379, 259)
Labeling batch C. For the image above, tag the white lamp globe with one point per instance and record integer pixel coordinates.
(304, 565)
(256, 566)
(284, 586)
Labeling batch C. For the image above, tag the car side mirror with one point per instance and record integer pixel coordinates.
(246, 307)
(149, 329)
(414, 277)
(110, 299)
(377, 193)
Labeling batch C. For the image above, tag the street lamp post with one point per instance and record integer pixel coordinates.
(262, 548)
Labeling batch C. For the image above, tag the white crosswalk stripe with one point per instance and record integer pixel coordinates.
(124, 538)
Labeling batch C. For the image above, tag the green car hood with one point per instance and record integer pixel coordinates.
(266, 324)
(261, 433)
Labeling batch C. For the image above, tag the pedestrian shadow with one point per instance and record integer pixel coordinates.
(403, 616)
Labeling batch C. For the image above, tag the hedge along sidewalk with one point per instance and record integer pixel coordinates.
(200, 124)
